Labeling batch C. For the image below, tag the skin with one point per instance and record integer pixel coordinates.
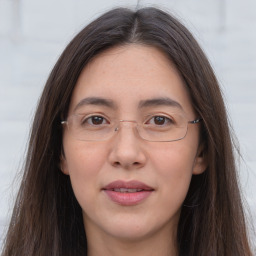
(126, 75)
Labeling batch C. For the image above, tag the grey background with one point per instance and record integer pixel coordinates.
(33, 33)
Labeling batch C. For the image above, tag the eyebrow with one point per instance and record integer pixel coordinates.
(163, 101)
(97, 101)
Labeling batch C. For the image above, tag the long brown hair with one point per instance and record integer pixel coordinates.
(47, 219)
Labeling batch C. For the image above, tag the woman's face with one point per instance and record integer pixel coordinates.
(127, 187)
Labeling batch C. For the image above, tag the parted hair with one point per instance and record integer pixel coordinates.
(47, 219)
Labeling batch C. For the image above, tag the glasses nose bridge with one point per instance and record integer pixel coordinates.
(134, 123)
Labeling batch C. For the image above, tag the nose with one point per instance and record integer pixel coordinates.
(127, 151)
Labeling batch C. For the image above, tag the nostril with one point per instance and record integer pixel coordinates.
(117, 164)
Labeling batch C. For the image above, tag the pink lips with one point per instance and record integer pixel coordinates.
(127, 193)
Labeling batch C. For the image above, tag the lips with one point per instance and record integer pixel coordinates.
(127, 193)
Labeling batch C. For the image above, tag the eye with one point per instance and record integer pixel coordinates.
(94, 120)
(160, 121)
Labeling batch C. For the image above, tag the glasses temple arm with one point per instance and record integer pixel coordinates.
(195, 121)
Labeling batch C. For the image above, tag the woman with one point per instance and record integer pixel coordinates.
(130, 150)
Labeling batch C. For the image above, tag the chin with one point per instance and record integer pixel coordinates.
(131, 234)
(134, 230)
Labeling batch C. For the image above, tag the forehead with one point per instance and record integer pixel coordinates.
(130, 74)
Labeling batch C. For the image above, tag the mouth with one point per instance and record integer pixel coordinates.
(127, 193)
(127, 190)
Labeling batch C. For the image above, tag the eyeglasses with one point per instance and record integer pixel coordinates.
(157, 128)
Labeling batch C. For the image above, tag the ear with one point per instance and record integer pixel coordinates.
(201, 161)
(63, 164)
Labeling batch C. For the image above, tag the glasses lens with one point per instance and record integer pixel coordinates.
(164, 128)
(92, 128)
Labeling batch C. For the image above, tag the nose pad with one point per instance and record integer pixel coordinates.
(126, 123)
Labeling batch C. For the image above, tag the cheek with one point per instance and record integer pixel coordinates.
(174, 165)
(84, 157)
(174, 159)
(84, 162)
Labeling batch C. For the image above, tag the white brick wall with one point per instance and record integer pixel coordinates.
(33, 33)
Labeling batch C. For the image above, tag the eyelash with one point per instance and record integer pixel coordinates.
(166, 119)
(85, 120)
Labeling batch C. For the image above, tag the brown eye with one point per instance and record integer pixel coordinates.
(94, 120)
(159, 120)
